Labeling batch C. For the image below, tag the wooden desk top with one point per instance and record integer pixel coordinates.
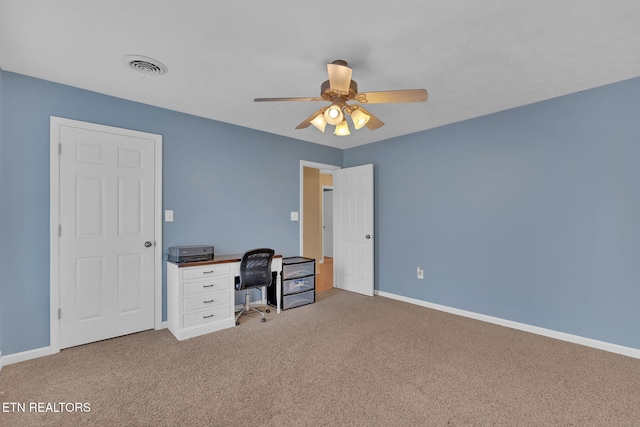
(218, 259)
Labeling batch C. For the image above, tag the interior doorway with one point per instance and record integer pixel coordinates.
(353, 225)
(316, 212)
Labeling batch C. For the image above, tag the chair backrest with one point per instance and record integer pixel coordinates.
(255, 268)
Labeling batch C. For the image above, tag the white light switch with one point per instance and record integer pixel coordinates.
(294, 216)
(168, 216)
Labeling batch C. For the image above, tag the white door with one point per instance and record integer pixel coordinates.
(353, 229)
(107, 233)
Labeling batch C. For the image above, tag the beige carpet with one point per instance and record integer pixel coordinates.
(348, 360)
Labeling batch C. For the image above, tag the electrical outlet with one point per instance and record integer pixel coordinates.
(420, 273)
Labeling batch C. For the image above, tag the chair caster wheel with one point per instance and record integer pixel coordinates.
(268, 310)
(263, 320)
(237, 323)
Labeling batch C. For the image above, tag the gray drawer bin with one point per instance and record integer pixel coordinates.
(295, 267)
(293, 286)
(297, 300)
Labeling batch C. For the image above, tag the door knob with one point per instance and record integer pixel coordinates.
(147, 244)
(368, 236)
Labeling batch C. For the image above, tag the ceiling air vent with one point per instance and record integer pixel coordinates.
(145, 65)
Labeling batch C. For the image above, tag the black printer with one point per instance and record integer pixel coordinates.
(180, 254)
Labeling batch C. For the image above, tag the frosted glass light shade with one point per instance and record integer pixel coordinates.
(319, 122)
(342, 129)
(359, 118)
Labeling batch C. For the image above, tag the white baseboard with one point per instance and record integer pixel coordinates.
(576, 339)
(38, 352)
(10, 359)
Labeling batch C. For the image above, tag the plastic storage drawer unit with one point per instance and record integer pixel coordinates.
(298, 283)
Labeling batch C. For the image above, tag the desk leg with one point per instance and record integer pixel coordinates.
(278, 291)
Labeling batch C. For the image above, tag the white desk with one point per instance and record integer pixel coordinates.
(201, 295)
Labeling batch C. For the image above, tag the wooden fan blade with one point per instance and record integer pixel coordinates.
(307, 122)
(287, 99)
(374, 122)
(408, 95)
(339, 76)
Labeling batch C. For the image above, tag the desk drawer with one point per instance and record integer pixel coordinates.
(206, 301)
(298, 285)
(206, 316)
(211, 285)
(193, 273)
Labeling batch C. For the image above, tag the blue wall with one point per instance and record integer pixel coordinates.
(215, 174)
(531, 214)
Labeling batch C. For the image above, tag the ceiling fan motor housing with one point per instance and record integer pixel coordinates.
(329, 94)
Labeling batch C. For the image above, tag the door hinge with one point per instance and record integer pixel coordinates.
(59, 149)
(59, 230)
(59, 313)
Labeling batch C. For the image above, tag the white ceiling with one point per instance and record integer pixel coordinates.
(474, 57)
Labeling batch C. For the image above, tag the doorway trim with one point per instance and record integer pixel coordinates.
(54, 220)
(325, 168)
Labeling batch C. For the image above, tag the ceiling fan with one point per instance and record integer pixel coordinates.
(338, 90)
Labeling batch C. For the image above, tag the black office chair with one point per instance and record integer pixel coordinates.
(255, 272)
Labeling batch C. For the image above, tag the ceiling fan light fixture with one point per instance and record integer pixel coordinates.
(342, 128)
(359, 118)
(340, 90)
(319, 122)
(333, 115)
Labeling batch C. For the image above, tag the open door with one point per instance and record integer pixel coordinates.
(353, 229)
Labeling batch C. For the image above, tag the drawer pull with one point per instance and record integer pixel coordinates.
(206, 317)
(208, 302)
(207, 286)
(207, 272)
